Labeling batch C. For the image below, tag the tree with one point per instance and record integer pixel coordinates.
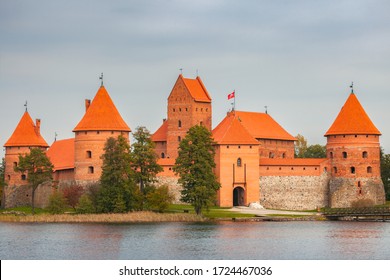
(38, 167)
(195, 165)
(159, 198)
(72, 195)
(2, 179)
(315, 151)
(385, 172)
(57, 203)
(117, 187)
(300, 146)
(144, 159)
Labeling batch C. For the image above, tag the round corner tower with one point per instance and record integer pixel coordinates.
(353, 150)
(100, 122)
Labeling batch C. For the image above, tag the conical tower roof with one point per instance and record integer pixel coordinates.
(352, 119)
(102, 115)
(26, 134)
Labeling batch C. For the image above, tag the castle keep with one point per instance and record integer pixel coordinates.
(254, 153)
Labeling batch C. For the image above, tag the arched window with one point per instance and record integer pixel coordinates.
(345, 155)
(331, 154)
(364, 154)
(162, 155)
(89, 154)
(369, 169)
(239, 162)
(284, 155)
(23, 177)
(91, 170)
(353, 170)
(179, 123)
(271, 155)
(9, 177)
(335, 169)
(15, 164)
(179, 138)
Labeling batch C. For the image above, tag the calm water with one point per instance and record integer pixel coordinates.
(227, 240)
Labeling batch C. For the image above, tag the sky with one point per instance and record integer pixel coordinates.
(298, 58)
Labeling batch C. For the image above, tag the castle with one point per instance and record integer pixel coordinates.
(254, 154)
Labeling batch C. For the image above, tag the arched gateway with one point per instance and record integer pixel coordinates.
(238, 196)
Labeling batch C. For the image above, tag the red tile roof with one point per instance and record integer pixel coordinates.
(26, 134)
(102, 115)
(292, 161)
(263, 126)
(231, 131)
(61, 154)
(197, 89)
(352, 119)
(161, 133)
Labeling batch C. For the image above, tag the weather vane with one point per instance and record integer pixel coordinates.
(181, 71)
(351, 86)
(55, 136)
(266, 109)
(25, 105)
(101, 78)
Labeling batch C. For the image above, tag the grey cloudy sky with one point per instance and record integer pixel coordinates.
(296, 57)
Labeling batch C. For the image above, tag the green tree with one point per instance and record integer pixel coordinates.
(195, 165)
(300, 146)
(2, 179)
(85, 205)
(117, 187)
(385, 172)
(315, 151)
(39, 169)
(144, 159)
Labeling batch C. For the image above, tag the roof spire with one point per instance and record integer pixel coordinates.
(101, 78)
(181, 71)
(351, 86)
(55, 136)
(25, 105)
(266, 107)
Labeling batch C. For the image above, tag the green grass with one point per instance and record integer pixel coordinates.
(214, 212)
(25, 209)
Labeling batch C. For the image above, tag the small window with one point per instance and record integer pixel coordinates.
(112, 132)
(250, 147)
(353, 170)
(179, 109)
(207, 109)
(98, 132)
(292, 168)
(89, 154)
(85, 132)
(335, 169)
(227, 147)
(179, 138)
(9, 177)
(170, 168)
(239, 162)
(267, 168)
(162, 155)
(364, 154)
(239, 147)
(280, 168)
(186, 109)
(201, 123)
(15, 164)
(325, 169)
(179, 123)
(271, 155)
(369, 169)
(174, 110)
(345, 155)
(23, 177)
(90, 169)
(331, 154)
(284, 155)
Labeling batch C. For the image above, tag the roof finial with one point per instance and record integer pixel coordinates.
(181, 71)
(351, 86)
(266, 111)
(101, 78)
(25, 105)
(197, 73)
(55, 136)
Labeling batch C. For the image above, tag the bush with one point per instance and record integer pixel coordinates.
(361, 203)
(159, 199)
(85, 205)
(57, 203)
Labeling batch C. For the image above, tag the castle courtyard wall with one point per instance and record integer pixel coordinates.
(294, 192)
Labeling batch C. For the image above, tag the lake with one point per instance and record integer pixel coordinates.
(330, 240)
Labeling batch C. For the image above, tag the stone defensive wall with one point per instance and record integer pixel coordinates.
(294, 192)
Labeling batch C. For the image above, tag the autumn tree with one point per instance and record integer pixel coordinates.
(302, 150)
(144, 159)
(72, 195)
(194, 165)
(300, 146)
(38, 168)
(117, 188)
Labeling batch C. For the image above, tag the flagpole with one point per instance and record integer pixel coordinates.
(234, 104)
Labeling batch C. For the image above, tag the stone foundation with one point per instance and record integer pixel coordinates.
(294, 192)
(344, 191)
(174, 187)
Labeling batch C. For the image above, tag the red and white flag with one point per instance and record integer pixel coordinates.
(231, 95)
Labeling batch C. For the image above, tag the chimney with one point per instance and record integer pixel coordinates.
(87, 104)
(38, 126)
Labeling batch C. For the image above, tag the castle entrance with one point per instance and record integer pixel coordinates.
(238, 196)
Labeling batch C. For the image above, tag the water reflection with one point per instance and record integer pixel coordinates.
(225, 240)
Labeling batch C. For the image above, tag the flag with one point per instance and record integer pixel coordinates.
(231, 95)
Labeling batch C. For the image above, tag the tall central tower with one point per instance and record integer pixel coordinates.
(353, 150)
